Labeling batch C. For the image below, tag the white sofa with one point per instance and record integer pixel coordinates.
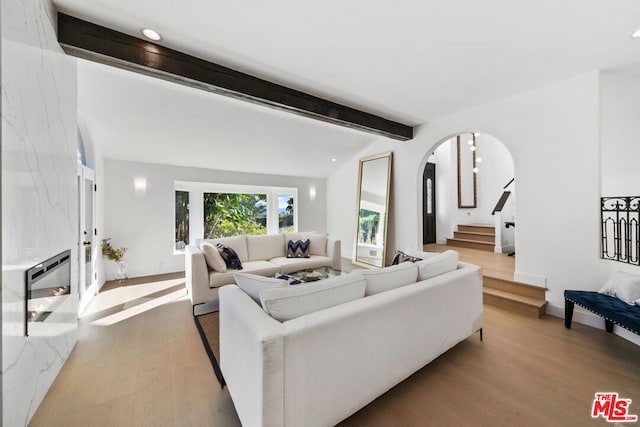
(259, 254)
(321, 367)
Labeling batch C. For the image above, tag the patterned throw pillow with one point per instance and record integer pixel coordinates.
(290, 280)
(298, 248)
(401, 257)
(229, 256)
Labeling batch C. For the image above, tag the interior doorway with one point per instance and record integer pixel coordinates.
(87, 245)
(429, 204)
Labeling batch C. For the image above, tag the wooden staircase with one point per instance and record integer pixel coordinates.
(474, 236)
(514, 296)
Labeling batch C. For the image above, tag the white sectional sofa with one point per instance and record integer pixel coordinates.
(319, 368)
(261, 254)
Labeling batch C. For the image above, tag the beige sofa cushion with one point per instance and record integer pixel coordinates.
(265, 246)
(294, 301)
(212, 257)
(384, 279)
(263, 268)
(318, 245)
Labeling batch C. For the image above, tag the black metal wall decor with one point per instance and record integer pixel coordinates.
(620, 217)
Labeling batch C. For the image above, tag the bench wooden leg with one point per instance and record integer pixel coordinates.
(568, 313)
(608, 325)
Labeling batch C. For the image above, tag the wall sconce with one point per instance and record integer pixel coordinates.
(140, 186)
(312, 193)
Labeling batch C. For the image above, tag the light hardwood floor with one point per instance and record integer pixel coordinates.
(496, 265)
(139, 361)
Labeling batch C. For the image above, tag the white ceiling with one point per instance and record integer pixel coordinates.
(410, 61)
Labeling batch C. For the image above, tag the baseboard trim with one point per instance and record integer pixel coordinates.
(587, 318)
(504, 249)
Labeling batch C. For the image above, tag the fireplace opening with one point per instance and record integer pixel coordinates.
(48, 285)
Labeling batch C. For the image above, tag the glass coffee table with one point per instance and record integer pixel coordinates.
(314, 274)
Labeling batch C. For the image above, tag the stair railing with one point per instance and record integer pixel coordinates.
(620, 220)
(503, 198)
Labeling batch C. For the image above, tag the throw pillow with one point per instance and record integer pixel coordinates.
(401, 257)
(624, 286)
(384, 279)
(294, 301)
(442, 263)
(213, 258)
(252, 284)
(298, 248)
(229, 256)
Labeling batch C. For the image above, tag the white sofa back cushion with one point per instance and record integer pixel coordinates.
(265, 247)
(253, 284)
(384, 279)
(294, 301)
(212, 257)
(318, 244)
(436, 265)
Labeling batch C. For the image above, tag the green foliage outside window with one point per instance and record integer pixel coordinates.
(231, 214)
(285, 217)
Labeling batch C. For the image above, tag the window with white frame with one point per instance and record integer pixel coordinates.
(221, 210)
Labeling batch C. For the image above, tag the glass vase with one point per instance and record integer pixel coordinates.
(120, 273)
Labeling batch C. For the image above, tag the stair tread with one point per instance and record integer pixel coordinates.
(472, 241)
(515, 297)
(476, 233)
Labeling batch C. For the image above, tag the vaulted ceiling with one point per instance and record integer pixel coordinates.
(408, 61)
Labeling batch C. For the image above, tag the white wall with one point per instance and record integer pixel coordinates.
(620, 149)
(39, 196)
(145, 223)
(620, 131)
(549, 132)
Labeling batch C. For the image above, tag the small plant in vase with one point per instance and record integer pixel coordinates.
(116, 255)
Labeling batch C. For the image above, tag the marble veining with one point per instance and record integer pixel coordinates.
(39, 197)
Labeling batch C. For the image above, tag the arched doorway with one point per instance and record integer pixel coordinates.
(468, 180)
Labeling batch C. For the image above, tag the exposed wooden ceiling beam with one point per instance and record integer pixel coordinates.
(100, 44)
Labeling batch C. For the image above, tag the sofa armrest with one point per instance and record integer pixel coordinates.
(197, 276)
(251, 358)
(334, 251)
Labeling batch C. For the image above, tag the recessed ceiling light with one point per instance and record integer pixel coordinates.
(334, 160)
(636, 35)
(150, 34)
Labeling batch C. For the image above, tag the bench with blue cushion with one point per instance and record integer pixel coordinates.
(611, 308)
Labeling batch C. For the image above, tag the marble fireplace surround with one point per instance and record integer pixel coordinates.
(39, 194)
